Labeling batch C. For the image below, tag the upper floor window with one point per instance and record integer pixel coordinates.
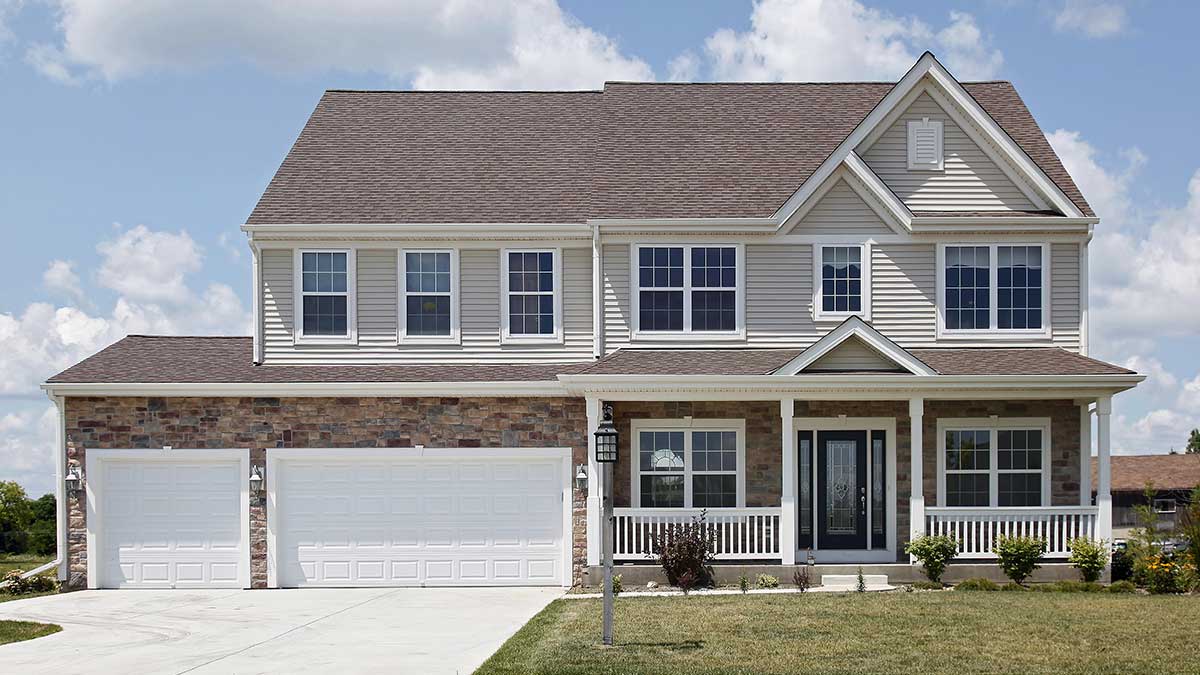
(688, 463)
(998, 288)
(988, 463)
(842, 281)
(682, 289)
(326, 282)
(429, 297)
(925, 151)
(532, 295)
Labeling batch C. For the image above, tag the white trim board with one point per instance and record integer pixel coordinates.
(856, 327)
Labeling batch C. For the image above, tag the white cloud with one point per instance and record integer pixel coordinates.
(50, 61)
(27, 438)
(428, 43)
(227, 242)
(684, 67)
(145, 265)
(843, 40)
(1092, 18)
(60, 277)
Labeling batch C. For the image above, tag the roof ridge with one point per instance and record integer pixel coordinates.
(169, 337)
(335, 90)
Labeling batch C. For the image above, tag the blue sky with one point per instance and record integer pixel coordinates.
(137, 137)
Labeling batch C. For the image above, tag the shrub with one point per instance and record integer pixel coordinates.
(928, 585)
(1123, 586)
(15, 585)
(802, 578)
(617, 587)
(686, 548)
(1019, 555)
(934, 552)
(861, 586)
(767, 581)
(744, 583)
(1089, 557)
(1189, 528)
(1162, 575)
(977, 584)
(686, 581)
(1010, 586)
(1071, 587)
(1122, 566)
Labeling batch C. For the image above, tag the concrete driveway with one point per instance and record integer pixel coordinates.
(394, 630)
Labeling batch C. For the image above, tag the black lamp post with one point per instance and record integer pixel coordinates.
(606, 456)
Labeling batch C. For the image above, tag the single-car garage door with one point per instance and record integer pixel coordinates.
(167, 519)
(418, 517)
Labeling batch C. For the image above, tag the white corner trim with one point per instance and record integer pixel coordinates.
(856, 327)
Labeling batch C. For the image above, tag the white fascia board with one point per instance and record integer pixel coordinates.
(1021, 386)
(955, 224)
(305, 389)
(423, 230)
(854, 327)
(685, 225)
(896, 214)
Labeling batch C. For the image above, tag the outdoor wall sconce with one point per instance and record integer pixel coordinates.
(73, 481)
(581, 476)
(256, 479)
(606, 438)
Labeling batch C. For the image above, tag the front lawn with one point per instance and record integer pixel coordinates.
(16, 631)
(938, 632)
(21, 561)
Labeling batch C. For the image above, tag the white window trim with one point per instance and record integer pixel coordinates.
(994, 425)
(739, 298)
(1174, 505)
(818, 262)
(993, 332)
(506, 335)
(351, 336)
(686, 425)
(455, 335)
(910, 149)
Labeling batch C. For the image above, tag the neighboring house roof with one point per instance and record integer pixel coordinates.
(146, 359)
(631, 151)
(1130, 473)
(161, 359)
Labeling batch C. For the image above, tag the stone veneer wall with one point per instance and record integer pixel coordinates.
(366, 422)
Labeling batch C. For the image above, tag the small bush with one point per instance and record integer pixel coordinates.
(934, 552)
(1071, 587)
(1010, 586)
(1122, 566)
(686, 582)
(1162, 575)
(1122, 586)
(36, 584)
(928, 585)
(1089, 557)
(767, 581)
(686, 547)
(977, 584)
(1019, 555)
(802, 578)
(744, 583)
(617, 587)
(861, 585)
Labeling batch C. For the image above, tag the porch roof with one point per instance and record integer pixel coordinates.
(944, 361)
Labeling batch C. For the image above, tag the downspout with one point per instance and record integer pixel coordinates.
(60, 496)
(255, 298)
(597, 294)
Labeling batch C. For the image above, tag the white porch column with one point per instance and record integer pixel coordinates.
(787, 503)
(1104, 469)
(594, 484)
(1085, 452)
(916, 501)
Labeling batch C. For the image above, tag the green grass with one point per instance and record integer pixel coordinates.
(16, 631)
(862, 633)
(21, 561)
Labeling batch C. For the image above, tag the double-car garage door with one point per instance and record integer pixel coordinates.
(348, 517)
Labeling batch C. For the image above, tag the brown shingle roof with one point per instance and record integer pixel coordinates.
(633, 150)
(1130, 473)
(160, 359)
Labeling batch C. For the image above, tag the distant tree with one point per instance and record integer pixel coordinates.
(15, 517)
(43, 529)
(1193, 446)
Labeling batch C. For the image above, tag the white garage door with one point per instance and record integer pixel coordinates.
(170, 522)
(383, 518)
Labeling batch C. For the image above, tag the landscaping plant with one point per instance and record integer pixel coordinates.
(15, 585)
(1018, 556)
(802, 578)
(617, 587)
(768, 581)
(934, 552)
(1142, 546)
(1088, 556)
(744, 583)
(977, 584)
(1189, 529)
(1124, 586)
(1161, 574)
(686, 548)
(861, 585)
(686, 581)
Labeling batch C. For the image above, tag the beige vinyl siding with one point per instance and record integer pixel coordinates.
(779, 291)
(904, 292)
(853, 354)
(378, 307)
(616, 306)
(971, 181)
(841, 211)
(1064, 295)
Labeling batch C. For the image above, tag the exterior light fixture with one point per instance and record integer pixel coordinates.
(581, 476)
(606, 438)
(73, 481)
(256, 479)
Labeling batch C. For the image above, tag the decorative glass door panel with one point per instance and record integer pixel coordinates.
(842, 489)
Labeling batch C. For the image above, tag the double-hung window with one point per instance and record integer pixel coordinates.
(993, 462)
(326, 309)
(531, 295)
(841, 281)
(696, 463)
(687, 289)
(429, 295)
(996, 289)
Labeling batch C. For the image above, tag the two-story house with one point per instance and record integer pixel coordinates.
(833, 315)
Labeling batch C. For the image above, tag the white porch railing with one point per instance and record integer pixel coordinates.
(976, 529)
(739, 533)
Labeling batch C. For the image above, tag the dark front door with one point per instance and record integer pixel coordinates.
(842, 489)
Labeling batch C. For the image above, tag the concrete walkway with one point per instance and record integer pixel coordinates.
(405, 630)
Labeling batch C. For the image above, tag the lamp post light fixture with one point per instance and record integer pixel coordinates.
(256, 479)
(581, 476)
(73, 480)
(606, 456)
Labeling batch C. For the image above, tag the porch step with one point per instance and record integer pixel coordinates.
(851, 580)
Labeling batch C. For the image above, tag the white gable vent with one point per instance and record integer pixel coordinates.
(925, 145)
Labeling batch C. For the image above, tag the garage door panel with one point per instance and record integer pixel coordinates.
(462, 521)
